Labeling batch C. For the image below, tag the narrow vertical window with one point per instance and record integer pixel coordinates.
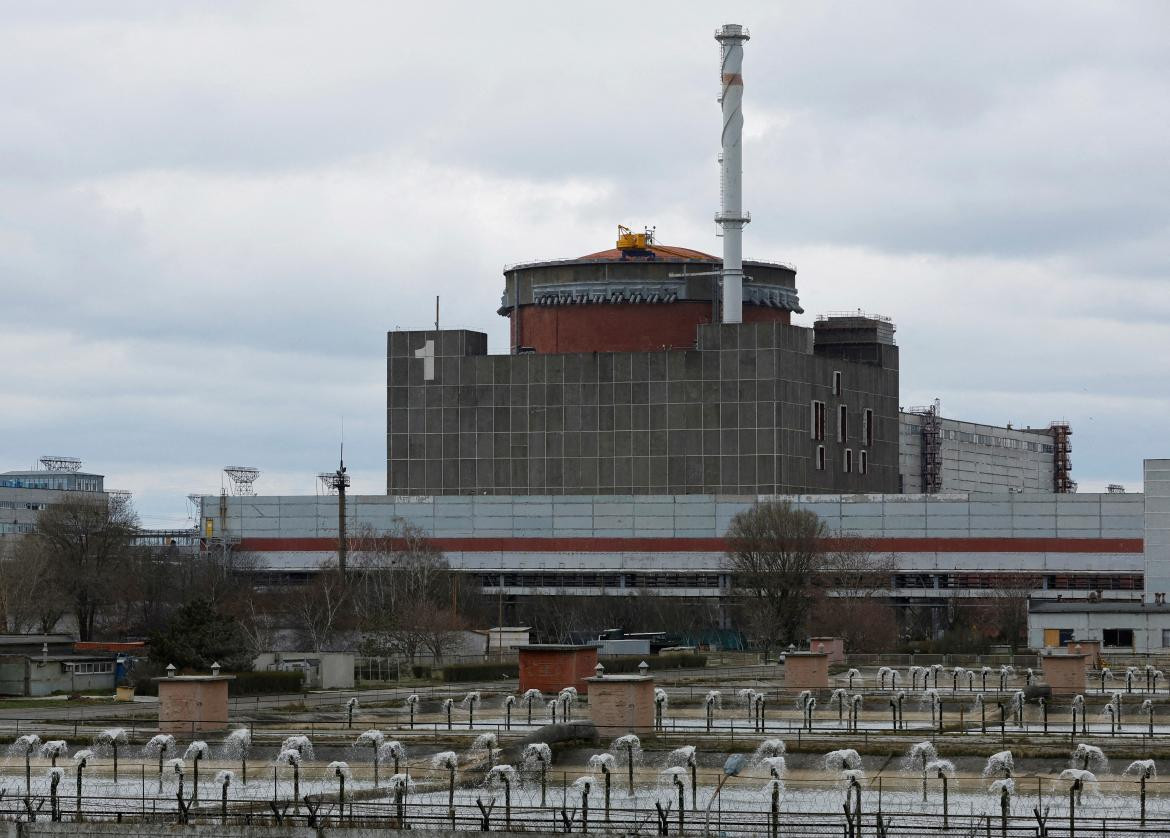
(836, 383)
(863, 464)
(818, 420)
(848, 460)
(868, 426)
(842, 423)
(820, 458)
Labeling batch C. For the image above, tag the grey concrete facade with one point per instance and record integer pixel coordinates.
(1156, 485)
(978, 458)
(1135, 627)
(733, 415)
(27, 675)
(952, 515)
(25, 494)
(943, 546)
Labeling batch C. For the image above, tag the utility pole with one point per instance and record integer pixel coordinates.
(342, 480)
(338, 481)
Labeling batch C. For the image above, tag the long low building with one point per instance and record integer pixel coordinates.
(943, 545)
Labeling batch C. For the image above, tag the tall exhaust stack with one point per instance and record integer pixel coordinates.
(731, 216)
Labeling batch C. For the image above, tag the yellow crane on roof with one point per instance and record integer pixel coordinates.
(629, 240)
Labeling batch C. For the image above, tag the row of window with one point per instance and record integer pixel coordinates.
(7, 529)
(602, 580)
(65, 484)
(90, 668)
(12, 504)
(846, 462)
(1110, 638)
(1019, 581)
(994, 441)
(817, 424)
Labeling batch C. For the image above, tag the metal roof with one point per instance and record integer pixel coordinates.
(652, 253)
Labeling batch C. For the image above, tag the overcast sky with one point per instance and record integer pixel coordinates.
(211, 214)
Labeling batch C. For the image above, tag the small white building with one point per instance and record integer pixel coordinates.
(41, 675)
(323, 670)
(504, 640)
(1137, 625)
(1131, 627)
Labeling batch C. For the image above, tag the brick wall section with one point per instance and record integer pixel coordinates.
(552, 668)
(806, 671)
(623, 327)
(1065, 674)
(187, 706)
(622, 705)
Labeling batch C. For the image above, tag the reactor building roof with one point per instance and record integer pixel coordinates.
(638, 296)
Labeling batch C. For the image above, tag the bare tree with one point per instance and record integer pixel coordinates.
(406, 598)
(774, 550)
(258, 614)
(148, 596)
(783, 559)
(28, 595)
(440, 630)
(1003, 615)
(865, 624)
(318, 606)
(87, 542)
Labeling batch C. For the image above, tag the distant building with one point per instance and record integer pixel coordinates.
(25, 494)
(938, 454)
(323, 670)
(621, 381)
(1141, 622)
(43, 664)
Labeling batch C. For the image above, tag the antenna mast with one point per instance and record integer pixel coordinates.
(338, 481)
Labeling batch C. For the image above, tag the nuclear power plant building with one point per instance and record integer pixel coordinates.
(622, 382)
(649, 393)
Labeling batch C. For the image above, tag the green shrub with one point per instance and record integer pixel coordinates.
(480, 671)
(245, 683)
(671, 660)
(256, 683)
(142, 673)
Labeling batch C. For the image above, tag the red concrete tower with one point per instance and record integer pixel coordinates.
(637, 297)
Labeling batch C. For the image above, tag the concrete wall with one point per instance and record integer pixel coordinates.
(978, 458)
(731, 415)
(12, 675)
(1156, 480)
(21, 675)
(1147, 626)
(19, 508)
(624, 647)
(672, 544)
(264, 518)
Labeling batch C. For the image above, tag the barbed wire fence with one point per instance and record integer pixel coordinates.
(424, 799)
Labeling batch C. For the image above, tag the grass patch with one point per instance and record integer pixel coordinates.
(24, 703)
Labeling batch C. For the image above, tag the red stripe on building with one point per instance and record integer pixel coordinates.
(719, 545)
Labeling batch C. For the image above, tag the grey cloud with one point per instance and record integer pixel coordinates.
(210, 214)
